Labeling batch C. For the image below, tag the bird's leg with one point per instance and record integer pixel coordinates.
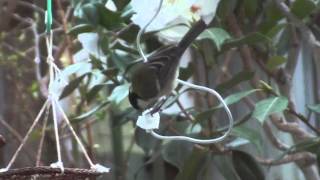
(158, 105)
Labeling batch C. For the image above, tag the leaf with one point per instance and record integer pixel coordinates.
(302, 8)
(217, 35)
(275, 30)
(233, 98)
(92, 111)
(145, 140)
(225, 167)
(314, 108)
(119, 61)
(119, 93)
(121, 3)
(251, 7)
(93, 92)
(90, 14)
(235, 80)
(269, 106)
(246, 166)
(193, 164)
(275, 61)
(249, 39)
(71, 86)
(108, 18)
(311, 145)
(111, 72)
(176, 153)
(186, 73)
(81, 28)
(75, 68)
(90, 43)
(250, 134)
(124, 47)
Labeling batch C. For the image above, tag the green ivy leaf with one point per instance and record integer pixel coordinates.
(217, 35)
(269, 106)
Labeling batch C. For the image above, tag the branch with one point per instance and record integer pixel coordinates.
(184, 111)
(306, 158)
(290, 127)
(304, 120)
(35, 8)
(306, 32)
(274, 140)
(18, 137)
(37, 59)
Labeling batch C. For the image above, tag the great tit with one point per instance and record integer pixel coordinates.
(156, 78)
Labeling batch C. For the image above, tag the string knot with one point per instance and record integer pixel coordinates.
(50, 59)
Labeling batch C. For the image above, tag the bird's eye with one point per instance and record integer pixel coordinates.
(133, 99)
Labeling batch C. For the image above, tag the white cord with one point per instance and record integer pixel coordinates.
(194, 140)
(65, 117)
(142, 30)
(35, 122)
(55, 123)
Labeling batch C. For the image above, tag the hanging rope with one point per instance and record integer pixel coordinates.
(55, 80)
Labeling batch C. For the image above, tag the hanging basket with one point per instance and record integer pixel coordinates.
(45, 173)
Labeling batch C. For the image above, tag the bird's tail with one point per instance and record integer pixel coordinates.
(192, 34)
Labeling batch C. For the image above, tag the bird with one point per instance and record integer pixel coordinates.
(152, 81)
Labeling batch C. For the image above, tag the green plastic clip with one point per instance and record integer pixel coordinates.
(48, 18)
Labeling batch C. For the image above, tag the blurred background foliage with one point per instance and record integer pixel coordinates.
(262, 56)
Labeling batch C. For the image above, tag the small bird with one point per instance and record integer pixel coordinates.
(156, 79)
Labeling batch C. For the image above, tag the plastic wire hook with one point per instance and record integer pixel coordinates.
(194, 140)
(142, 30)
(149, 122)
